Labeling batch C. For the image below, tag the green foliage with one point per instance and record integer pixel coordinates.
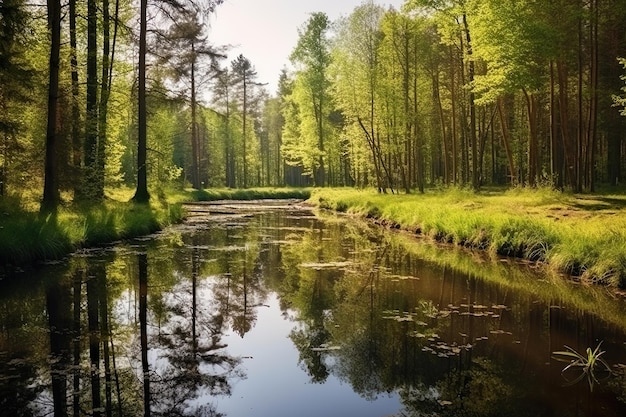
(514, 41)
(215, 194)
(357, 75)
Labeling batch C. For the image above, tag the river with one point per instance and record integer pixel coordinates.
(269, 309)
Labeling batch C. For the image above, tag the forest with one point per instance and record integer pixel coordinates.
(473, 93)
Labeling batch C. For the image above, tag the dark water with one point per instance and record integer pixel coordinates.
(280, 313)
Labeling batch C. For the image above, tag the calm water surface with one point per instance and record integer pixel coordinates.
(273, 311)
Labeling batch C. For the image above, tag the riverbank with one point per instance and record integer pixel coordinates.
(27, 237)
(580, 235)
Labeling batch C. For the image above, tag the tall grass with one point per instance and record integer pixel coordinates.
(579, 235)
(27, 236)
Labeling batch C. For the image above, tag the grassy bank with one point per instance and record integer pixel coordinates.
(519, 277)
(26, 236)
(215, 194)
(578, 235)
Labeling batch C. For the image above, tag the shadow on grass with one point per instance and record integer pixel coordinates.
(599, 203)
(27, 238)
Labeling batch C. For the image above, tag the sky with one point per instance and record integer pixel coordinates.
(266, 31)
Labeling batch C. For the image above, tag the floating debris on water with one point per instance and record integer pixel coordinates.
(325, 348)
(326, 265)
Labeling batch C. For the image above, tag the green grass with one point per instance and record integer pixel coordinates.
(26, 236)
(527, 278)
(214, 194)
(587, 364)
(579, 235)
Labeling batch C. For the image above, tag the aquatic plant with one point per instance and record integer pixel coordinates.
(587, 365)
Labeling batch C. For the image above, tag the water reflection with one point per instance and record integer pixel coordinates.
(142, 261)
(162, 327)
(58, 305)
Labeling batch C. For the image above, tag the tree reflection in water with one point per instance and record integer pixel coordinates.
(58, 305)
(102, 353)
(442, 340)
(450, 344)
(191, 362)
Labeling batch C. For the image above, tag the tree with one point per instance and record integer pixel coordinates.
(619, 99)
(456, 13)
(401, 58)
(51, 197)
(222, 97)
(515, 62)
(312, 56)
(357, 77)
(295, 173)
(186, 48)
(273, 122)
(91, 116)
(141, 193)
(611, 37)
(75, 107)
(244, 78)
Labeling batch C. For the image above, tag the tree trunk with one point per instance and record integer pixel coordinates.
(59, 321)
(51, 196)
(143, 325)
(453, 98)
(556, 150)
(569, 153)
(245, 143)
(105, 91)
(472, 108)
(531, 107)
(90, 181)
(76, 337)
(195, 151)
(580, 131)
(592, 119)
(419, 150)
(76, 138)
(506, 141)
(442, 127)
(105, 334)
(94, 340)
(141, 194)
